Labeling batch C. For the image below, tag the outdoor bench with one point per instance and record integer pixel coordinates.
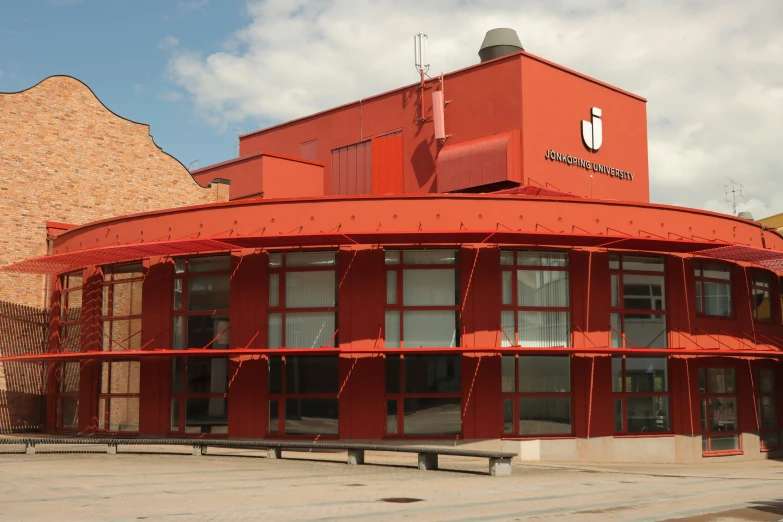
(499, 462)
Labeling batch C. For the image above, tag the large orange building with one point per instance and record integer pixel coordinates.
(472, 259)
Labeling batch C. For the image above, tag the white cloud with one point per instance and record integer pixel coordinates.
(170, 96)
(712, 71)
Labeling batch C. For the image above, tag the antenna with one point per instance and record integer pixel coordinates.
(736, 188)
(421, 53)
(240, 131)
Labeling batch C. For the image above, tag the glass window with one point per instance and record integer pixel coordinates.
(717, 387)
(767, 409)
(539, 398)
(201, 320)
(432, 416)
(713, 289)
(641, 394)
(426, 311)
(423, 395)
(535, 311)
(306, 388)
(307, 288)
(71, 312)
(68, 377)
(638, 302)
(761, 295)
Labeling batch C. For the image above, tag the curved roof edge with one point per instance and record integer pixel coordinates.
(108, 109)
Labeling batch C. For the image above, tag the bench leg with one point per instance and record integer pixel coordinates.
(274, 453)
(199, 450)
(500, 467)
(111, 449)
(428, 461)
(29, 448)
(355, 457)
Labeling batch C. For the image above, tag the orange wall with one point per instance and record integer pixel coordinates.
(554, 103)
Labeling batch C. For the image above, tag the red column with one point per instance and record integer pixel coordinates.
(156, 321)
(91, 340)
(247, 405)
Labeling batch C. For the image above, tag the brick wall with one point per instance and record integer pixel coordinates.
(23, 330)
(66, 158)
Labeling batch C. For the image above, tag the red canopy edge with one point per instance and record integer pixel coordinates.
(249, 352)
(69, 261)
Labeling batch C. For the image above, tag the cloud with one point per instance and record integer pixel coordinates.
(192, 5)
(168, 43)
(170, 96)
(712, 71)
(139, 88)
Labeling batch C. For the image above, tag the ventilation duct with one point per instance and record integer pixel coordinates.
(499, 42)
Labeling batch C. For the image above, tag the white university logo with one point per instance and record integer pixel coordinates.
(592, 131)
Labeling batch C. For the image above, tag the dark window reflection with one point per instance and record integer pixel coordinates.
(311, 374)
(206, 415)
(311, 416)
(432, 374)
(393, 374)
(207, 375)
(206, 329)
(432, 416)
(544, 416)
(275, 375)
(648, 414)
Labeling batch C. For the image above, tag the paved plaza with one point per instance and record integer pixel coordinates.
(168, 483)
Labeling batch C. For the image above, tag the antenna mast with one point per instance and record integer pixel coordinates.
(735, 189)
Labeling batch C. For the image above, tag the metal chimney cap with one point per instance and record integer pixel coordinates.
(746, 215)
(499, 42)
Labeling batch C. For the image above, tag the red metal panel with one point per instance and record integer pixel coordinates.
(351, 170)
(155, 373)
(387, 164)
(334, 172)
(479, 162)
(482, 404)
(360, 166)
(344, 171)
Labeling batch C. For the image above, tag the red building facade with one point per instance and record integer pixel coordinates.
(507, 286)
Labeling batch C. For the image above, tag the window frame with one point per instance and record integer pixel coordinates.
(707, 395)
(516, 395)
(700, 278)
(282, 397)
(623, 396)
(400, 308)
(66, 324)
(757, 285)
(516, 308)
(107, 293)
(621, 310)
(181, 396)
(401, 395)
(282, 310)
(61, 395)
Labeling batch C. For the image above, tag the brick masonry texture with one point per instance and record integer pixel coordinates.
(65, 157)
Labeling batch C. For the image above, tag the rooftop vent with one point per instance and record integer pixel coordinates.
(499, 42)
(745, 215)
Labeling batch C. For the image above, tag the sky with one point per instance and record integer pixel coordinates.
(199, 71)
